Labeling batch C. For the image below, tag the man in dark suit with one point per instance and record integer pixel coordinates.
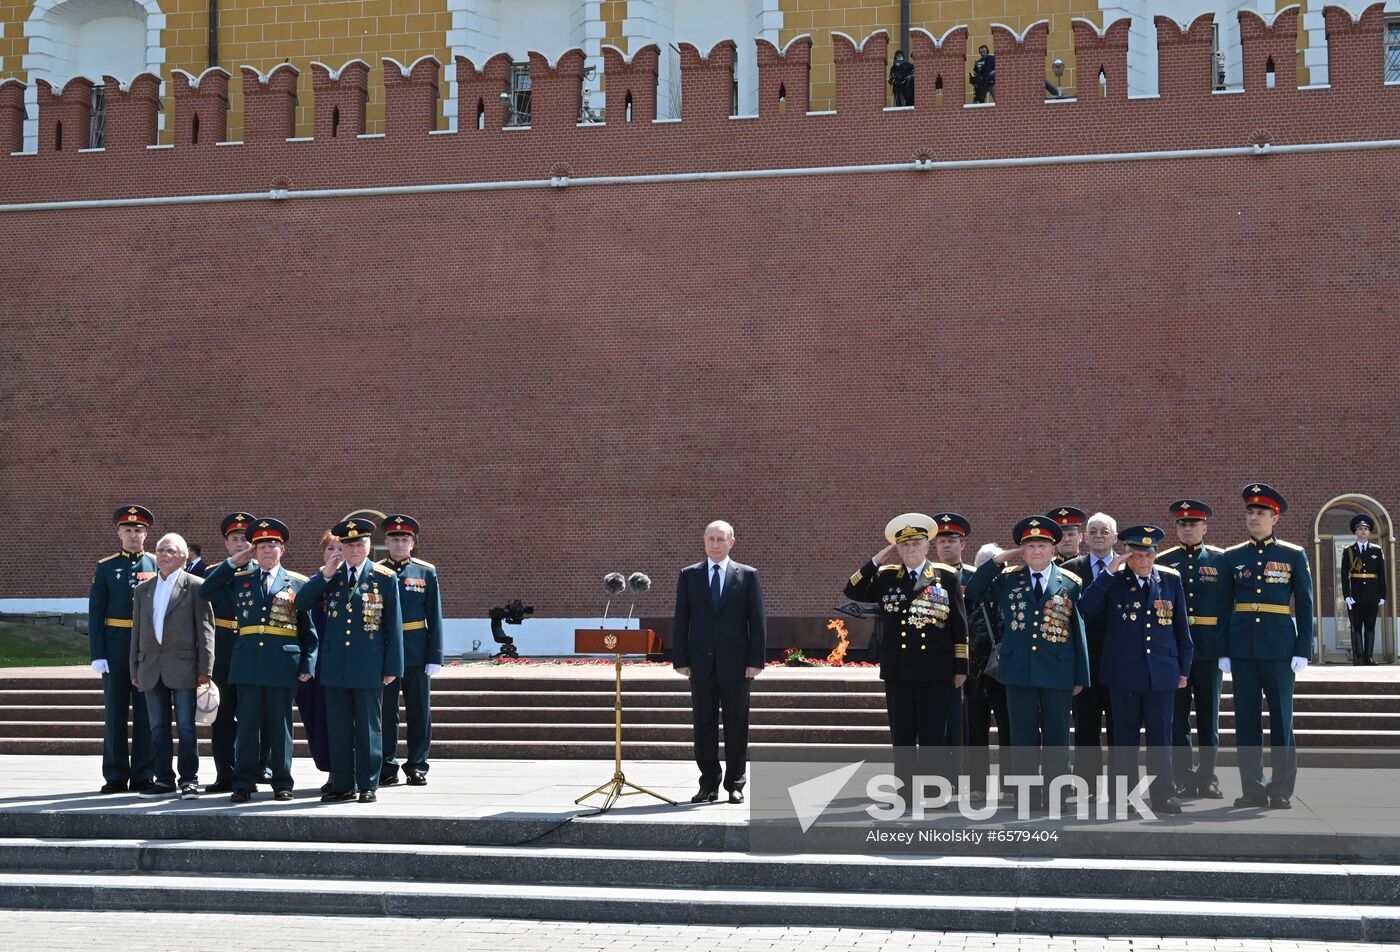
(1093, 719)
(719, 643)
(197, 566)
(1364, 587)
(1146, 656)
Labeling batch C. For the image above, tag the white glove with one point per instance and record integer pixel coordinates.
(1298, 664)
(1225, 665)
(1351, 602)
(431, 669)
(100, 666)
(1381, 602)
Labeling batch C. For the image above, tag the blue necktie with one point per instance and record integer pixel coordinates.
(714, 587)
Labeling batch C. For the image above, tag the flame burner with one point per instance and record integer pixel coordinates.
(843, 641)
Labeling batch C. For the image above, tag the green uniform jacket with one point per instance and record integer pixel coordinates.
(109, 605)
(363, 641)
(1203, 577)
(276, 641)
(1042, 643)
(1261, 578)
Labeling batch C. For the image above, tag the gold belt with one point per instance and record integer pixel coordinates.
(1259, 607)
(267, 630)
(118, 622)
(1202, 620)
(1363, 574)
(225, 623)
(415, 625)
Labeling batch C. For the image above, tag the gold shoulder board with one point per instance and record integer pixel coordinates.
(296, 575)
(1066, 572)
(426, 565)
(383, 570)
(108, 558)
(1169, 570)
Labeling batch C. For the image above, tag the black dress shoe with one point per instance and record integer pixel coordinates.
(326, 787)
(241, 796)
(389, 781)
(368, 796)
(344, 796)
(114, 786)
(1280, 803)
(220, 786)
(282, 795)
(1186, 789)
(417, 780)
(1210, 790)
(1171, 806)
(736, 796)
(1257, 801)
(705, 795)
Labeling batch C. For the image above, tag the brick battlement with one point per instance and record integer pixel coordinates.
(1188, 113)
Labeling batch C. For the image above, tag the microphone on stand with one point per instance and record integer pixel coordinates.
(613, 584)
(640, 585)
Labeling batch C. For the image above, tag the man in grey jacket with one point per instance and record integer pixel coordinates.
(172, 653)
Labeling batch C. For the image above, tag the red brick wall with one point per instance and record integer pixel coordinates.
(565, 382)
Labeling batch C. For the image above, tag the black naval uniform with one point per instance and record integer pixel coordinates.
(922, 625)
(1363, 581)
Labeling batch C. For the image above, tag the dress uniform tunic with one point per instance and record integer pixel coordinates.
(109, 639)
(1261, 635)
(225, 729)
(277, 643)
(1364, 582)
(363, 644)
(1202, 578)
(420, 603)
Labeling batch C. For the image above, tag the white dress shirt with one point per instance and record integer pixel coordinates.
(165, 587)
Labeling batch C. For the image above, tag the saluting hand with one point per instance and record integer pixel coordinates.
(242, 557)
(1118, 562)
(333, 562)
(1010, 557)
(887, 556)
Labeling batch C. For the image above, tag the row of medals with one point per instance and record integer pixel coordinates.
(1162, 607)
(1054, 623)
(373, 608)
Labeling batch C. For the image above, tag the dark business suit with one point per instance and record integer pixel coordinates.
(1093, 717)
(717, 641)
(198, 568)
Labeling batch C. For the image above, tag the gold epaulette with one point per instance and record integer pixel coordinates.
(245, 571)
(296, 575)
(941, 567)
(108, 558)
(1076, 578)
(1215, 548)
(384, 561)
(890, 568)
(427, 565)
(1237, 545)
(1289, 545)
(1006, 569)
(1169, 570)
(384, 570)
(1165, 552)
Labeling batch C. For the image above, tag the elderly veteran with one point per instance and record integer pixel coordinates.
(1146, 656)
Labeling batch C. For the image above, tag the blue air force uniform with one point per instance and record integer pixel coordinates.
(1364, 586)
(362, 644)
(1261, 636)
(420, 604)
(1043, 655)
(109, 640)
(276, 644)
(1202, 578)
(1146, 652)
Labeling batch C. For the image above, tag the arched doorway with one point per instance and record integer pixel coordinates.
(89, 38)
(1331, 534)
(377, 549)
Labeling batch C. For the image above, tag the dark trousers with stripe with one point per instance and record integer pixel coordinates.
(264, 717)
(1039, 730)
(417, 702)
(1134, 712)
(1363, 630)
(224, 732)
(1093, 724)
(135, 763)
(1203, 690)
(357, 746)
(1272, 680)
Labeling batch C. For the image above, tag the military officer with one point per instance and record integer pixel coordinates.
(234, 529)
(923, 639)
(109, 641)
(363, 652)
(1071, 521)
(276, 648)
(1043, 659)
(1263, 646)
(1364, 587)
(951, 532)
(1200, 566)
(1146, 656)
(420, 603)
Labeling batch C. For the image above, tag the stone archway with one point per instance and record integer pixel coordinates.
(1331, 532)
(89, 38)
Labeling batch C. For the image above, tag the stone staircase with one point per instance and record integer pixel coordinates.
(490, 712)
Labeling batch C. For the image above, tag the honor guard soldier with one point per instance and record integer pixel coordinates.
(234, 529)
(363, 652)
(1264, 647)
(1043, 659)
(109, 640)
(951, 532)
(1071, 522)
(1201, 570)
(923, 637)
(1146, 656)
(420, 603)
(1364, 587)
(276, 648)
